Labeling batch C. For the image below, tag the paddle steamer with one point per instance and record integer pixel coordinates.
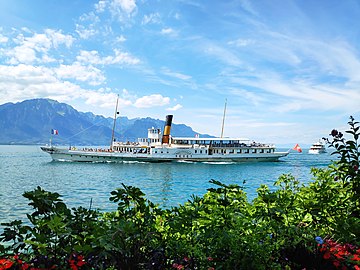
(162, 147)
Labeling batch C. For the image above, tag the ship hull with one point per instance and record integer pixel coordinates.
(58, 154)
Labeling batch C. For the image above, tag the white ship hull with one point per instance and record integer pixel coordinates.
(317, 151)
(169, 155)
(317, 148)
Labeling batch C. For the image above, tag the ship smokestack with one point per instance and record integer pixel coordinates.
(167, 128)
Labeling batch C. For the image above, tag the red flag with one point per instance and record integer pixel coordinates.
(297, 148)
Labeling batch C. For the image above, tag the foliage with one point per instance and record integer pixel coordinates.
(295, 226)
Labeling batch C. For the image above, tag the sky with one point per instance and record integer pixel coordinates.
(288, 71)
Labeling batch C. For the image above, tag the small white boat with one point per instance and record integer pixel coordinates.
(317, 148)
(162, 147)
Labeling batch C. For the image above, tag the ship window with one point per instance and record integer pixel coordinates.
(162, 152)
(269, 151)
(261, 150)
(239, 151)
(155, 152)
(200, 151)
(195, 151)
(254, 150)
(247, 151)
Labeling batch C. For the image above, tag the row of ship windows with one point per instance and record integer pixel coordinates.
(239, 151)
(96, 157)
(232, 151)
(222, 151)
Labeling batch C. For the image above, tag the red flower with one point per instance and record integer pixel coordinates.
(177, 266)
(336, 263)
(5, 264)
(356, 257)
(80, 261)
(327, 255)
(356, 267)
(210, 259)
(24, 266)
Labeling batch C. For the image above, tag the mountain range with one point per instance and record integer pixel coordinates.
(31, 122)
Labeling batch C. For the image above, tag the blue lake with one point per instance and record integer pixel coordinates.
(23, 168)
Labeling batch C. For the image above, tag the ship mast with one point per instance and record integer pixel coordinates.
(223, 121)
(113, 129)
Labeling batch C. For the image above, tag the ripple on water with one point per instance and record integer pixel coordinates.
(23, 168)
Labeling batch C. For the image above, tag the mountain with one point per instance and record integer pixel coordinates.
(31, 121)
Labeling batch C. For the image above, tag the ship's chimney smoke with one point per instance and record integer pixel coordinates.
(167, 128)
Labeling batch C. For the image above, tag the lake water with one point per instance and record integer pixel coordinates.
(23, 168)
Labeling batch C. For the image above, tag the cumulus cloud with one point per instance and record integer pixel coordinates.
(21, 82)
(85, 32)
(122, 9)
(154, 100)
(102, 98)
(25, 82)
(35, 49)
(119, 57)
(81, 73)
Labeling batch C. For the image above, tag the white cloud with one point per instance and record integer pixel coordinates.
(175, 74)
(76, 71)
(175, 108)
(126, 5)
(103, 99)
(26, 82)
(241, 42)
(100, 6)
(151, 18)
(221, 54)
(122, 9)
(3, 39)
(167, 31)
(21, 54)
(121, 39)
(154, 100)
(35, 49)
(85, 32)
(57, 38)
(93, 57)
(18, 83)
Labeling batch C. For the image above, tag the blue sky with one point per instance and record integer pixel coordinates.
(289, 70)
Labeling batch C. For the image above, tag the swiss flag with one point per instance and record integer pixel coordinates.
(297, 148)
